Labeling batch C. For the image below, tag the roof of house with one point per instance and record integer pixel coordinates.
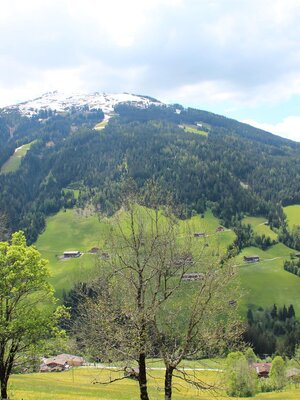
(54, 360)
(193, 276)
(262, 367)
(62, 359)
(293, 372)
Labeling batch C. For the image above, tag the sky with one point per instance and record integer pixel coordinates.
(238, 58)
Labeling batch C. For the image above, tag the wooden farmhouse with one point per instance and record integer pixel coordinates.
(293, 375)
(61, 362)
(262, 369)
(193, 276)
(72, 254)
(251, 259)
(105, 255)
(199, 234)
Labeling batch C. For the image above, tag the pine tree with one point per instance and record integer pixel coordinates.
(250, 316)
(291, 311)
(274, 312)
(284, 313)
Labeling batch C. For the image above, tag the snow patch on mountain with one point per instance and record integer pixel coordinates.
(62, 102)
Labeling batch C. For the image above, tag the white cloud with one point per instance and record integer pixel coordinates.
(201, 93)
(240, 53)
(67, 80)
(289, 127)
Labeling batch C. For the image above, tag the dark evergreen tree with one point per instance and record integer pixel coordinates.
(291, 312)
(274, 312)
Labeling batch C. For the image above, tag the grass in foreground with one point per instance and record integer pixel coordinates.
(14, 161)
(77, 384)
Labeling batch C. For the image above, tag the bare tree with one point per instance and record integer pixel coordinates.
(199, 321)
(163, 294)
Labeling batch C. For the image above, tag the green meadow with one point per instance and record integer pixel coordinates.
(72, 230)
(266, 282)
(14, 161)
(293, 215)
(78, 384)
(193, 129)
(101, 125)
(259, 227)
(263, 283)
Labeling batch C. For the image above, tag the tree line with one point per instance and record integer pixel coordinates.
(273, 331)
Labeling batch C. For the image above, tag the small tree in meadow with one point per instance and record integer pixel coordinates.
(278, 373)
(250, 356)
(241, 378)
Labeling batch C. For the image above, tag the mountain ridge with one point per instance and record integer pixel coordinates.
(232, 168)
(58, 101)
(62, 102)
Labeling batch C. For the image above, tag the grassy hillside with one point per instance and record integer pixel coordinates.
(13, 163)
(266, 282)
(293, 215)
(77, 384)
(193, 129)
(259, 227)
(71, 230)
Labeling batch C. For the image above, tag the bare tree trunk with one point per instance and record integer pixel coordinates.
(4, 381)
(168, 382)
(143, 377)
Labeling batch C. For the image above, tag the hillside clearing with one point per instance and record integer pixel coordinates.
(101, 125)
(266, 283)
(193, 129)
(14, 161)
(293, 215)
(259, 227)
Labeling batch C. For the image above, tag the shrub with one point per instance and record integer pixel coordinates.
(278, 373)
(240, 377)
(265, 385)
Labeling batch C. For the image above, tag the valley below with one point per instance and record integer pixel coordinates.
(172, 236)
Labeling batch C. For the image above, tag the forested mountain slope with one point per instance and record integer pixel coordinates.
(232, 169)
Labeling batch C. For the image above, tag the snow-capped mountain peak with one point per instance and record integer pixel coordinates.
(62, 102)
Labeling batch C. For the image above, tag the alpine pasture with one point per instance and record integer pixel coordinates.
(74, 230)
(264, 283)
(14, 161)
(293, 215)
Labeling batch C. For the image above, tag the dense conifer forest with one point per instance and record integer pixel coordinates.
(233, 168)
